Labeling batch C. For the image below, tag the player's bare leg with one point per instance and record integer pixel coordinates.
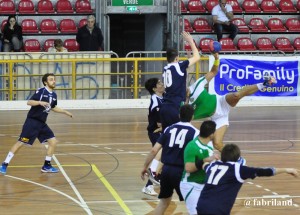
(162, 206)
(233, 98)
(218, 137)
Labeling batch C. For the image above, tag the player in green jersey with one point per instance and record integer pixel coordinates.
(218, 107)
(193, 176)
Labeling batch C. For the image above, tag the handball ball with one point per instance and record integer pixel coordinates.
(215, 46)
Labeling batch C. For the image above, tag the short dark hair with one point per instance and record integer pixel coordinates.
(150, 84)
(45, 77)
(171, 54)
(230, 152)
(186, 113)
(207, 128)
(58, 43)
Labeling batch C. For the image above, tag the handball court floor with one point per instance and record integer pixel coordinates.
(101, 153)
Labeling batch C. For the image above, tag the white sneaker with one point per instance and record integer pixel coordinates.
(149, 190)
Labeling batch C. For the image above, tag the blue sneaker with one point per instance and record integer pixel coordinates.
(49, 169)
(3, 168)
(269, 80)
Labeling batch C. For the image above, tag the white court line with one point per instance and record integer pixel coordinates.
(83, 203)
(49, 188)
(176, 200)
(144, 122)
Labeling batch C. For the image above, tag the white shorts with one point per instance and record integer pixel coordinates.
(191, 192)
(221, 115)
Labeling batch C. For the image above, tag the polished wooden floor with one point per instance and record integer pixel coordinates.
(101, 152)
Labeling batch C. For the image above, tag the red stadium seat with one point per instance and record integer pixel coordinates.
(264, 44)
(287, 6)
(32, 45)
(235, 6)
(257, 25)
(182, 7)
(293, 24)
(187, 46)
(276, 25)
(201, 25)
(227, 44)
(48, 26)
(64, 6)
(251, 6)
(196, 6)
(284, 44)
(245, 44)
(82, 22)
(298, 5)
(29, 26)
(83, 6)
(269, 6)
(297, 43)
(71, 45)
(45, 6)
(240, 23)
(210, 4)
(7, 7)
(48, 43)
(204, 44)
(187, 26)
(68, 26)
(26, 7)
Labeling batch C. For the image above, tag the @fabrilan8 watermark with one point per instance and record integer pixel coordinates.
(274, 202)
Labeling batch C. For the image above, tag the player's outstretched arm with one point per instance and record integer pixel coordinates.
(36, 103)
(196, 57)
(215, 68)
(291, 171)
(60, 110)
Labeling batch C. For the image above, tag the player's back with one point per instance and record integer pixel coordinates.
(174, 140)
(221, 188)
(174, 77)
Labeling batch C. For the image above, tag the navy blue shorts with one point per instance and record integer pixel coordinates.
(169, 180)
(154, 137)
(33, 129)
(169, 114)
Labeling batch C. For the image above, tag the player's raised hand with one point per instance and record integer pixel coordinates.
(187, 37)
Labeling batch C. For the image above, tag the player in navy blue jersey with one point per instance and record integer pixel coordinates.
(156, 89)
(173, 141)
(174, 78)
(35, 125)
(225, 178)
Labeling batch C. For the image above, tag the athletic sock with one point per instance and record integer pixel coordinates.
(260, 86)
(8, 158)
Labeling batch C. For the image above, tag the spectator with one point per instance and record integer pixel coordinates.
(222, 16)
(58, 46)
(89, 36)
(12, 35)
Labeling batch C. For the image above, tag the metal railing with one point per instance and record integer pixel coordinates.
(83, 78)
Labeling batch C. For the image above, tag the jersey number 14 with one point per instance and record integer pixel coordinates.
(177, 138)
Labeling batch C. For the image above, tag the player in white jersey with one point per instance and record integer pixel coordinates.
(218, 107)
